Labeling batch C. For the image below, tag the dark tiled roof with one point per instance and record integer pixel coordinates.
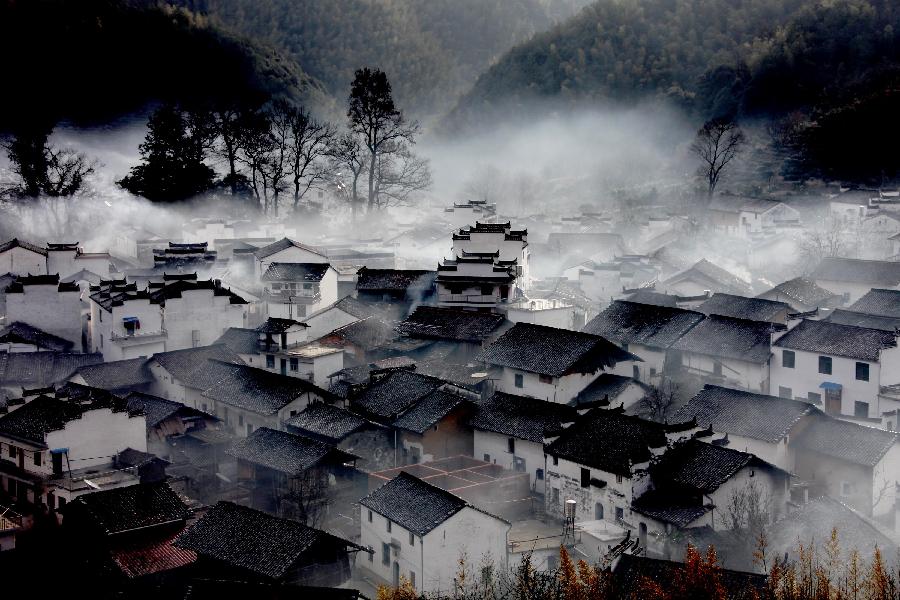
(327, 421)
(464, 375)
(647, 324)
(432, 322)
(195, 368)
(393, 280)
(283, 244)
(155, 409)
(884, 303)
(118, 374)
(802, 290)
(718, 278)
(552, 351)
(23, 333)
(737, 412)
(631, 572)
(251, 539)
(845, 441)
(176, 288)
(698, 467)
(655, 298)
(413, 504)
(367, 333)
(44, 414)
(392, 393)
(141, 557)
(677, 509)
(311, 272)
(17, 243)
(741, 307)
(261, 391)
(275, 325)
(853, 270)
(132, 507)
(520, 417)
(607, 386)
(727, 337)
(609, 441)
(282, 451)
(858, 319)
(37, 369)
(429, 410)
(824, 337)
(355, 308)
(239, 340)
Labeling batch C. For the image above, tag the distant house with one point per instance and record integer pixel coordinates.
(750, 217)
(510, 430)
(705, 277)
(183, 375)
(877, 309)
(419, 531)
(435, 427)
(22, 337)
(845, 365)
(345, 311)
(235, 543)
(391, 393)
(290, 475)
(362, 341)
(803, 295)
(23, 258)
(645, 330)
(66, 260)
(741, 307)
(852, 278)
(44, 303)
(611, 390)
(549, 363)
(855, 464)
(466, 330)
(285, 251)
(283, 346)
(39, 369)
(406, 287)
(296, 290)
(728, 351)
(166, 419)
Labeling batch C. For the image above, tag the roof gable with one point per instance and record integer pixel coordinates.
(825, 337)
(647, 324)
(413, 504)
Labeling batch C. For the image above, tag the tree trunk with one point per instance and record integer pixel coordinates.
(371, 182)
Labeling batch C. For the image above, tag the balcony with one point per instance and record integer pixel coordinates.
(138, 337)
(484, 299)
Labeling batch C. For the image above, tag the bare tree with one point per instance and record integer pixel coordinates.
(400, 175)
(832, 237)
(257, 144)
(660, 400)
(717, 143)
(277, 167)
(349, 162)
(747, 512)
(43, 169)
(311, 142)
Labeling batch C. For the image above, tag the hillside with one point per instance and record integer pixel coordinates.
(432, 50)
(93, 60)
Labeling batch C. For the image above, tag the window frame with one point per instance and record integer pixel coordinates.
(865, 368)
(823, 361)
(784, 359)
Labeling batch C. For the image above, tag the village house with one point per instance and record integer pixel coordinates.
(435, 427)
(282, 346)
(236, 543)
(247, 398)
(183, 375)
(23, 258)
(67, 259)
(372, 443)
(50, 450)
(696, 484)
(611, 390)
(166, 419)
(877, 309)
(402, 289)
(548, 363)
(296, 290)
(604, 281)
(290, 475)
(855, 464)
(22, 337)
(124, 323)
(184, 257)
(345, 311)
(510, 430)
(751, 309)
(751, 217)
(572, 248)
(852, 278)
(645, 330)
(363, 341)
(705, 277)
(755, 423)
(466, 212)
(40, 369)
(419, 531)
(728, 351)
(462, 333)
(284, 251)
(46, 304)
(840, 365)
(803, 295)
(125, 535)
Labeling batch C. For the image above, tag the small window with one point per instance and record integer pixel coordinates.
(785, 392)
(295, 364)
(546, 379)
(554, 496)
(240, 420)
(636, 372)
(618, 479)
(511, 445)
(385, 554)
(487, 458)
(307, 286)
(388, 525)
(37, 458)
(270, 361)
(862, 371)
(539, 474)
(620, 514)
(555, 461)
(519, 380)
(12, 451)
(846, 488)
(371, 556)
(249, 429)
(412, 539)
(370, 516)
(825, 365)
(62, 502)
(585, 478)
(788, 359)
(412, 578)
(861, 409)
(652, 372)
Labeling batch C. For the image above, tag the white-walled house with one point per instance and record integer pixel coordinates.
(509, 431)
(282, 346)
(124, 323)
(43, 302)
(68, 259)
(842, 366)
(22, 258)
(549, 363)
(196, 313)
(286, 251)
(645, 330)
(345, 311)
(703, 277)
(852, 278)
(728, 351)
(420, 532)
(803, 295)
(296, 290)
(53, 450)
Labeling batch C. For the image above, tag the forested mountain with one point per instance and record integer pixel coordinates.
(432, 50)
(93, 60)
